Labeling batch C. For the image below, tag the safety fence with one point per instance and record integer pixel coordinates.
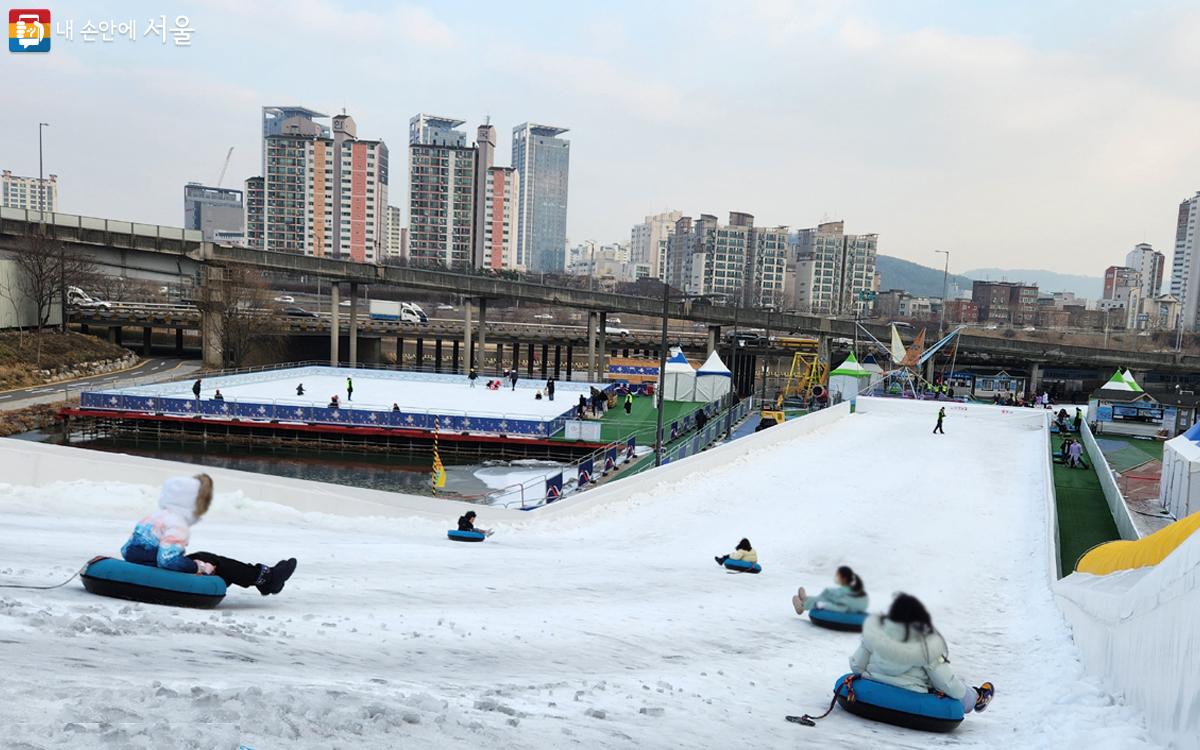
(679, 442)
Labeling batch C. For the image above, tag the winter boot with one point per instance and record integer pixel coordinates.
(271, 580)
(985, 691)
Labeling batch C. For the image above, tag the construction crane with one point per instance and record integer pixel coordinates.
(225, 166)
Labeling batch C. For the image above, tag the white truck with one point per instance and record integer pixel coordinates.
(404, 312)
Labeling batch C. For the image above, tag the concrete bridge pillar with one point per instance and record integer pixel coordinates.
(1035, 378)
(353, 324)
(516, 347)
(178, 342)
(400, 352)
(468, 355)
(557, 361)
(454, 357)
(529, 364)
(483, 333)
(545, 357)
(212, 329)
(147, 340)
(334, 324)
(570, 360)
(420, 354)
(437, 354)
(714, 335)
(602, 359)
(591, 344)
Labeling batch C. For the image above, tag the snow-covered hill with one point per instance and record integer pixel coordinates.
(605, 625)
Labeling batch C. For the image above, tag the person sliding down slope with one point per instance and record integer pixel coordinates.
(743, 552)
(466, 522)
(160, 539)
(848, 596)
(903, 649)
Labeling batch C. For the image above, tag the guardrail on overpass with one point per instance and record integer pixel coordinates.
(186, 246)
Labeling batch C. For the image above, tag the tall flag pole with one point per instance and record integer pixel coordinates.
(439, 471)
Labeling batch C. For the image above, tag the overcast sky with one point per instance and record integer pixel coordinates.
(1019, 134)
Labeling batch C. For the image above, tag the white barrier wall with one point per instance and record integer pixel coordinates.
(1136, 630)
(1108, 483)
(39, 464)
(677, 471)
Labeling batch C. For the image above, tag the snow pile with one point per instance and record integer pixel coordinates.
(600, 623)
(1137, 629)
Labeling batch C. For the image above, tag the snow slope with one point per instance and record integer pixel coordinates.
(604, 625)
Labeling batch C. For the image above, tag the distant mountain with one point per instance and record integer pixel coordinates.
(1090, 287)
(896, 273)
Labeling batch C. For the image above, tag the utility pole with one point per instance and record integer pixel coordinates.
(662, 376)
(762, 391)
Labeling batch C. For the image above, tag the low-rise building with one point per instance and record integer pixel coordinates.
(1005, 302)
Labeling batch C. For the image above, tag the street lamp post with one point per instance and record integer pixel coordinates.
(762, 391)
(945, 289)
(62, 259)
(662, 375)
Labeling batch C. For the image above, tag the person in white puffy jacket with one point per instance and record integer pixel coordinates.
(160, 539)
(904, 649)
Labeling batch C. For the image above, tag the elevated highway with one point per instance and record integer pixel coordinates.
(167, 253)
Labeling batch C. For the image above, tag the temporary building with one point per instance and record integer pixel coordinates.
(713, 379)
(679, 378)
(1179, 488)
(1121, 407)
(848, 379)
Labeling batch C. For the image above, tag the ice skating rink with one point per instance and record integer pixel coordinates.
(379, 389)
(603, 626)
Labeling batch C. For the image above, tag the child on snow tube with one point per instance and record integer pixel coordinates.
(466, 522)
(903, 649)
(848, 596)
(743, 552)
(160, 539)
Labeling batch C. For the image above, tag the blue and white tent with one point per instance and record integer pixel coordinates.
(713, 379)
(679, 378)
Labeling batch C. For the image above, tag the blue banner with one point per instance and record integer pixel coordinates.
(585, 473)
(554, 487)
(610, 459)
(630, 444)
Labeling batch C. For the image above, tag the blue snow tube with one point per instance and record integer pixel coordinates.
(847, 621)
(466, 536)
(878, 701)
(108, 576)
(741, 566)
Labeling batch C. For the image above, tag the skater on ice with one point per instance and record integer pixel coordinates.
(903, 649)
(513, 377)
(217, 396)
(160, 540)
(349, 389)
(196, 389)
(333, 402)
(848, 595)
(550, 388)
(300, 390)
(472, 376)
(466, 522)
(743, 552)
(941, 415)
(537, 396)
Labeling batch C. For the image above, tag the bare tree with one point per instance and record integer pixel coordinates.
(44, 266)
(239, 302)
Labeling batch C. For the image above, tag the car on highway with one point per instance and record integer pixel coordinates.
(285, 298)
(444, 306)
(615, 331)
(298, 312)
(344, 303)
(543, 316)
(76, 297)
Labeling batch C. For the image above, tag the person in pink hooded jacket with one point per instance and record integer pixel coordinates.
(160, 539)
